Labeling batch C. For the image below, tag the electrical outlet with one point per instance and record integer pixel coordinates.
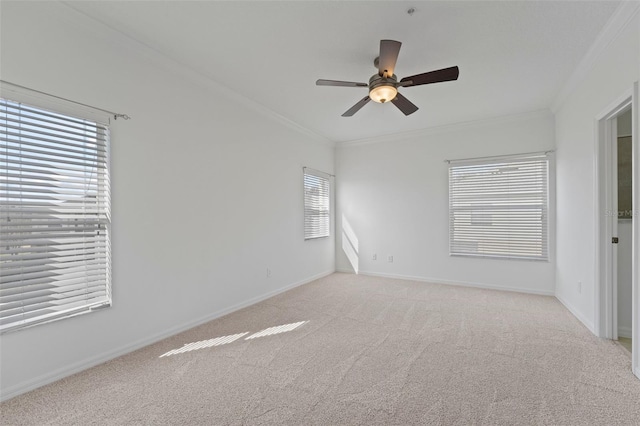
(390, 259)
(579, 286)
(268, 273)
(375, 256)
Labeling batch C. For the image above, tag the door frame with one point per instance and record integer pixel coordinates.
(606, 318)
(635, 230)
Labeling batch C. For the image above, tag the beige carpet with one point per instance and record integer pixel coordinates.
(359, 350)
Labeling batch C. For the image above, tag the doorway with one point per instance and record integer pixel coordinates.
(622, 158)
(617, 225)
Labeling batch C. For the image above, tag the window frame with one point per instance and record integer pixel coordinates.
(45, 103)
(325, 230)
(546, 207)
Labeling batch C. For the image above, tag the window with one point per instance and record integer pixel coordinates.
(316, 204)
(498, 208)
(54, 215)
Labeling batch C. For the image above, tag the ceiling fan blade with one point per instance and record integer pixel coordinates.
(404, 104)
(362, 102)
(438, 76)
(340, 83)
(389, 50)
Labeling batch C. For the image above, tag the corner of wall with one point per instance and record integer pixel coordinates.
(618, 21)
(576, 313)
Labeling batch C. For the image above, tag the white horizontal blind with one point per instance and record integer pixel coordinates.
(499, 208)
(316, 204)
(54, 215)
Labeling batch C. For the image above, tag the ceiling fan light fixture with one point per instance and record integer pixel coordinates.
(383, 93)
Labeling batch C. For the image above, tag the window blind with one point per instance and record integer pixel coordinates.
(54, 215)
(316, 204)
(499, 208)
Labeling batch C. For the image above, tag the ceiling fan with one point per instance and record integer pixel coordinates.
(383, 86)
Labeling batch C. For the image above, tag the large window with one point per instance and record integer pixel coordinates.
(316, 204)
(54, 215)
(499, 208)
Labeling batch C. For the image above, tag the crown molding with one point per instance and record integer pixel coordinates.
(185, 72)
(618, 22)
(447, 128)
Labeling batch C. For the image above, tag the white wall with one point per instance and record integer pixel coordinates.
(207, 193)
(394, 195)
(611, 75)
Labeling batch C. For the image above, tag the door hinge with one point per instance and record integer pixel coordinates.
(614, 240)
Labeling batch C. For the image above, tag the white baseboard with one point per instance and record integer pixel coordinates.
(576, 313)
(77, 367)
(624, 331)
(567, 305)
(456, 283)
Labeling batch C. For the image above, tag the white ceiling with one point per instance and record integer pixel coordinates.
(514, 57)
